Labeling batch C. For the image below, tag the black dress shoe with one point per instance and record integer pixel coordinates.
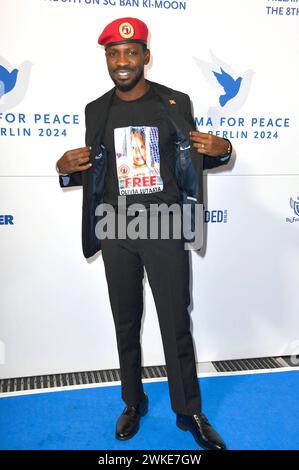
(202, 431)
(128, 423)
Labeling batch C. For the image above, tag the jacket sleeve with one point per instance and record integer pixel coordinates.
(208, 161)
(75, 179)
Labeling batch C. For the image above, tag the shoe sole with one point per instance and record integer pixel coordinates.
(126, 438)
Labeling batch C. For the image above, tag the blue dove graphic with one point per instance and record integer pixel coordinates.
(13, 85)
(7, 80)
(236, 91)
(231, 86)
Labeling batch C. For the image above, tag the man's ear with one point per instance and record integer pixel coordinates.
(147, 56)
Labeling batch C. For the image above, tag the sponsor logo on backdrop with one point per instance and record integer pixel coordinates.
(153, 4)
(232, 90)
(282, 8)
(13, 87)
(13, 83)
(6, 219)
(217, 216)
(295, 207)
(230, 86)
(8, 80)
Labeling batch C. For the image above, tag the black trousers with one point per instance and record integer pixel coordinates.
(167, 266)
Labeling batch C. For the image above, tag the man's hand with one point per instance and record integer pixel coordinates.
(209, 144)
(74, 160)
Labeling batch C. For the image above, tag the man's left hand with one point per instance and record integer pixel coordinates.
(209, 144)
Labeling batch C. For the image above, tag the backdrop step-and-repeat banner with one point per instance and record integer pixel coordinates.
(239, 62)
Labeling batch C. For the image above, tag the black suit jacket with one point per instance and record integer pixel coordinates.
(177, 104)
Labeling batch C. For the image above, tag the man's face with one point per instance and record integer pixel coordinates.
(126, 64)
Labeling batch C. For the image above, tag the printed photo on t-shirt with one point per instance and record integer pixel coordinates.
(137, 160)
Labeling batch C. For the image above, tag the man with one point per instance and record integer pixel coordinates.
(165, 120)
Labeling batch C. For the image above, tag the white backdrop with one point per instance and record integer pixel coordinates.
(55, 313)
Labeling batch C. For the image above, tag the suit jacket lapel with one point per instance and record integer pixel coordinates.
(170, 102)
(99, 115)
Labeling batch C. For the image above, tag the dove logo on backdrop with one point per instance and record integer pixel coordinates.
(7, 80)
(232, 89)
(14, 83)
(230, 85)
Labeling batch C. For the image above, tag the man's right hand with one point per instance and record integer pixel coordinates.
(74, 160)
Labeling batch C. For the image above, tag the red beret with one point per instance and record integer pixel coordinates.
(124, 30)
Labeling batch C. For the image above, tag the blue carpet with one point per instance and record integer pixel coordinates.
(257, 411)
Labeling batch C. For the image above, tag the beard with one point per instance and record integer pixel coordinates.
(127, 86)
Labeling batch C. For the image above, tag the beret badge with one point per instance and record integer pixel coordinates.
(126, 30)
